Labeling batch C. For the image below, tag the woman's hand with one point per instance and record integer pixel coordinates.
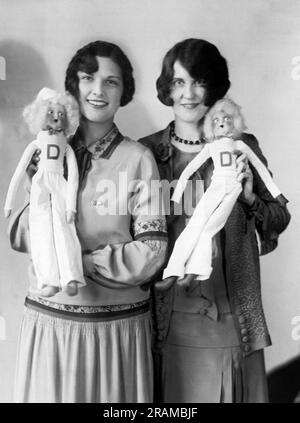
(187, 280)
(168, 282)
(33, 165)
(70, 216)
(245, 176)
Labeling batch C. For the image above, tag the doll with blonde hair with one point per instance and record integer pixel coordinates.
(192, 253)
(55, 248)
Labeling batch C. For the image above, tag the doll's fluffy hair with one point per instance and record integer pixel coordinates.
(228, 106)
(34, 114)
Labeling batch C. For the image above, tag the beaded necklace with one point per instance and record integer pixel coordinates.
(183, 141)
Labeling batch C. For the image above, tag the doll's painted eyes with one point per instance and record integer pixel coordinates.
(59, 114)
(226, 118)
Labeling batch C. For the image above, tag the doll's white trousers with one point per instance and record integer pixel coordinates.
(55, 248)
(192, 253)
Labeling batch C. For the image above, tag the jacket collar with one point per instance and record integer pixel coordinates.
(163, 150)
(103, 148)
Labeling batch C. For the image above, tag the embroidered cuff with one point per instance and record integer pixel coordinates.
(150, 229)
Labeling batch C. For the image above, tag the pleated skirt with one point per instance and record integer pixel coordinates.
(64, 360)
(212, 375)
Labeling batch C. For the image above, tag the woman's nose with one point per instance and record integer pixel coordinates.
(98, 87)
(189, 91)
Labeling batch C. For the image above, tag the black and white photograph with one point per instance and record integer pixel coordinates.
(150, 226)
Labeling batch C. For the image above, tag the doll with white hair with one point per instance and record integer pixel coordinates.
(55, 248)
(192, 253)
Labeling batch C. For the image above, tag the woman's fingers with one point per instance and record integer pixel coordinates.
(166, 283)
(187, 280)
(242, 167)
(36, 157)
(32, 168)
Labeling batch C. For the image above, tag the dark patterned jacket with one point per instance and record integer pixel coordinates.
(242, 268)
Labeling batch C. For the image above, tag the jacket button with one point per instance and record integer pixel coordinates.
(246, 348)
(161, 326)
(162, 309)
(165, 300)
(244, 331)
(245, 338)
(242, 319)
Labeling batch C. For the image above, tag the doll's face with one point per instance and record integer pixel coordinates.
(222, 124)
(55, 117)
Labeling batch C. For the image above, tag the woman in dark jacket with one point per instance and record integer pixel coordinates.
(209, 337)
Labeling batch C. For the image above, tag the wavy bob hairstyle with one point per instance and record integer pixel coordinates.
(85, 61)
(204, 63)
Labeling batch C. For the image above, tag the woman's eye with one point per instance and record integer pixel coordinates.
(60, 114)
(112, 83)
(86, 77)
(177, 83)
(215, 120)
(50, 112)
(200, 84)
(227, 118)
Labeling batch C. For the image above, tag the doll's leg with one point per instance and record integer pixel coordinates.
(66, 241)
(187, 240)
(200, 261)
(42, 240)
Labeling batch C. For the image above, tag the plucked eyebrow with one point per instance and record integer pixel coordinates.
(108, 76)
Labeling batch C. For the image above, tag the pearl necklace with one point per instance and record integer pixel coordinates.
(183, 141)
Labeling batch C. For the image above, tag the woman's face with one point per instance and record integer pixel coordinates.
(188, 96)
(100, 92)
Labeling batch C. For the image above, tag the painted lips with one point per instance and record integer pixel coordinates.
(190, 105)
(97, 103)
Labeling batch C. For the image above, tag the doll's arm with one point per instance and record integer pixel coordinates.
(18, 176)
(72, 183)
(260, 167)
(190, 169)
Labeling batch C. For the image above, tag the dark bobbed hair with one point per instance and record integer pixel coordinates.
(204, 63)
(85, 61)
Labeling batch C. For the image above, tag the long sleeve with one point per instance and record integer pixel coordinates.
(135, 263)
(190, 169)
(18, 229)
(270, 217)
(260, 167)
(19, 175)
(73, 178)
